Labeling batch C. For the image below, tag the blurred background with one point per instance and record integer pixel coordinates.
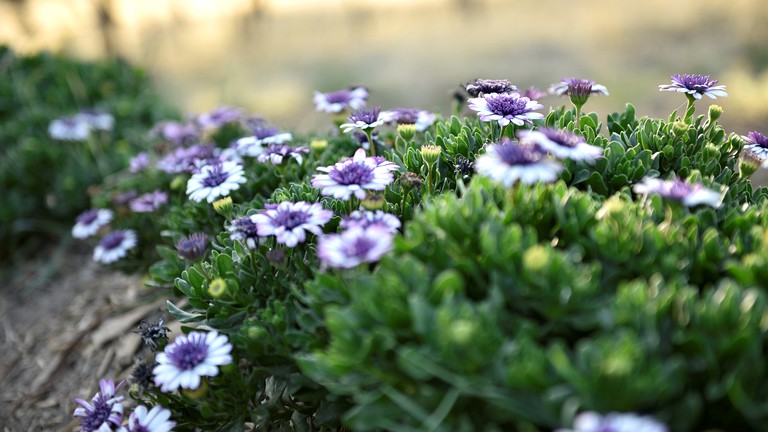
(269, 56)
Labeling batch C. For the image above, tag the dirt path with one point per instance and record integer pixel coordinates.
(65, 322)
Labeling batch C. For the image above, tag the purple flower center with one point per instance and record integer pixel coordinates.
(142, 428)
(580, 88)
(88, 217)
(561, 137)
(245, 226)
(112, 240)
(102, 409)
(758, 138)
(699, 83)
(340, 97)
(367, 116)
(507, 105)
(290, 219)
(679, 190)
(352, 173)
(265, 132)
(192, 247)
(216, 176)
(189, 354)
(360, 247)
(518, 154)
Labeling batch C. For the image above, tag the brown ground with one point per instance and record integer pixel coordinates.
(65, 322)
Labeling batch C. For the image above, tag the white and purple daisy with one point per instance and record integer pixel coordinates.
(155, 420)
(354, 176)
(509, 162)
(354, 246)
(276, 154)
(364, 219)
(219, 117)
(105, 412)
(245, 230)
(192, 247)
(561, 144)
(486, 86)
(90, 222)
(757, 143)
(186, 159)
(365, 119)
(139, 163)
(288, 221)
(114, 246)
(336, 102)
(566, 86)
(421, 119)
(262, 136)
(215, 181)
(71, 128)
(189, 358)
(176, 133)
(689, 195)
(506, 108)
(149, 202)
(614, 422)
(695, 86)
(97, 120)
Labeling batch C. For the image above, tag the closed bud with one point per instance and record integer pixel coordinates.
(430, 154)
(318, 144)
(715, 111)
(749, 163)
(178, 182)
(217, 287)
(406, 131)
(223, 207)
(679, 128)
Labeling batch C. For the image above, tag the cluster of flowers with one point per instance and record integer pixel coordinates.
(78, 127)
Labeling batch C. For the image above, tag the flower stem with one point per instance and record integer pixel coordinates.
(369, 134)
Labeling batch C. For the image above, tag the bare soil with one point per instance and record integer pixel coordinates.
(65, 323)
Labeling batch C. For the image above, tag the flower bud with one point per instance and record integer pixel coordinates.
(373, 202)
(217, 287)
(679, 128)
(715, 111)
(223, 207)
(430, 154)
(318, 144)
(749, 163)
(406, 131)
(178, 182)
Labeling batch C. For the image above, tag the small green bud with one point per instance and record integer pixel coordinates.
(373, 202)
(715, 111)
(536, 258)
(679, 128)
(178, 182)
(749, 163)
(406, 131)
(610, 206)
(318, 144)
(430, 154)
(223, 207)
(217, 287)
(462, 331)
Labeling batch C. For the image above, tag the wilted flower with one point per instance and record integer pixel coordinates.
(244, 229)
(506, 108)
(149, 202)
(104, 412)
(71, 128)
(365, 119)
(90, 222)
(695, 86)
(114, 246)
(219, 117)
(191, 357)
(262, 136)
(155, 420)
(277, 153)
(364, 219)
(141, 375)
(561, 144)
(756, 143)
(614, 422)
(192, 247)
(567, 85)
(214, 181)
(485, 86)
(464, 166)
(676, 189)
(338, 101)
(139, 162)
(509, 162)
(153, 335)
(354, 246)
(288, 221)
(421, 119)
(354, 176)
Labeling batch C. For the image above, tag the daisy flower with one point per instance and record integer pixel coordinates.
(757, 143)
(244, 230)
(566, 86)
(90, 222)
(506, 108)
(277, 153)
(71, 128)
(149, 202)
(186, 159)
(189, 358)
(354, 176)
(695, 86)
(614, 422)
(104, 412)
(354, 246)
(561, 144)
(114, 246)
(155, 420)
(192, 247)
(676, 189)
(289, 221)
(485, 86)
(97, 120)
(254, 145)
(214, 181)
(338, 101)
(365, 119)
(364, 219)
(509, 162)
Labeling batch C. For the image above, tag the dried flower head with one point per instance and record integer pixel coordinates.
(154, 335)
(485, 86)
